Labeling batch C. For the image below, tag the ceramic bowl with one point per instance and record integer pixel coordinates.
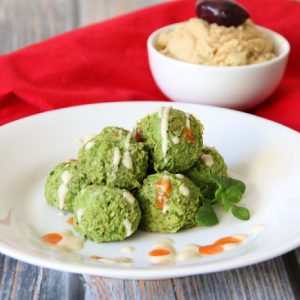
(237, 87)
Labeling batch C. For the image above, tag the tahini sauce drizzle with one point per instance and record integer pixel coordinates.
(183, 190)
(128, 227)
(164, 130)
(127, 161)
(175, 140)
(89, 145)
(63, 241)
(187, 121)
(164, 251)
(63, 189)
(117, 158)
(79, 214)
(187, 129)
(207, 159)
(127, 249)
(113, 261)
(128, 196)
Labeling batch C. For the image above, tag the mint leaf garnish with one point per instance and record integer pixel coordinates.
(241, 213)
(206, 216)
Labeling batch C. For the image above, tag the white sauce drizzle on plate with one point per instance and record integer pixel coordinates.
(188, 252)
(118, 260)
(257, 228)
(166, 244)
(69, 242)
(127, 249)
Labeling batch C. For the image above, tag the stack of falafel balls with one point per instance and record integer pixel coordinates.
(153, 178)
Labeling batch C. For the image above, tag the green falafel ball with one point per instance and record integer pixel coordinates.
(168, 202)
(115, 158)
(105, 214)
(173, 138)
(63, 184)
(209, 163)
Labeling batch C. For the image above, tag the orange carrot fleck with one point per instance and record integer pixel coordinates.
(70, 221)
(210, 249)
(227, 240)
(188, 134)
(52, 238)
(159, 252)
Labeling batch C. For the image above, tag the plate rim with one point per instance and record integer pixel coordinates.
(143, 272)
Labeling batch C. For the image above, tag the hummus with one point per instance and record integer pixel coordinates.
(199, 42)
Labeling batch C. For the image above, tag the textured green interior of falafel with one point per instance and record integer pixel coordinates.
(54, 182)
(181, 208)
(103, 214)
(98, 159)
(182, 152)
(201, 172)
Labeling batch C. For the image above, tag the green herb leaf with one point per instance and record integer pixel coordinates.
(206, 216)
(241, 213)
(230, 191)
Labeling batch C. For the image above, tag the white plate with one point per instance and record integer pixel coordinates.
(262, 153)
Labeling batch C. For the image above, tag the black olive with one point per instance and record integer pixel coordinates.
(222, 12)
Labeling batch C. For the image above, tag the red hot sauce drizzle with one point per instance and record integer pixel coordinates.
(189, 134)
(163, 190)
(138, 136)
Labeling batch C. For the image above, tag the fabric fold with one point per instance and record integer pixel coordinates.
(108, 61)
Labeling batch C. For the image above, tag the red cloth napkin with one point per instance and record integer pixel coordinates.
(108, 62)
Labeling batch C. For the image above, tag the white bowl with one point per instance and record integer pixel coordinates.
(240, 87)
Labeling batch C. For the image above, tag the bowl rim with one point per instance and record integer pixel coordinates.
(277, 37)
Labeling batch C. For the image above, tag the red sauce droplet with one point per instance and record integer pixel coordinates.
(216, 247)
(95, 257)
(163, 190)
(138, 136)
(227, 240)
(70, 221)
(210, 249)
(188, 134)
(159, 252)
(52, 238)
